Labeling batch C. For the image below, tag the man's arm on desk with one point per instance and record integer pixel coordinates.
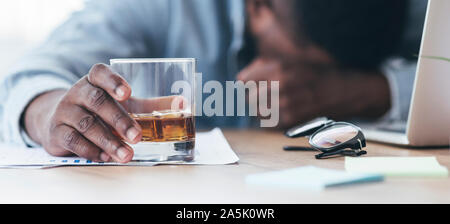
(308, 91)
(378, 96)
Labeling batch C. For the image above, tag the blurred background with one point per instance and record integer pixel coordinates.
(26, 23)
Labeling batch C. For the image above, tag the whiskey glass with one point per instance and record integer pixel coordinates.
(162, 102)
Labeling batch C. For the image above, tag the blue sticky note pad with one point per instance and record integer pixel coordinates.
(309, 177)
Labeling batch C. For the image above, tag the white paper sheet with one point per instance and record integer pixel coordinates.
(211, 149)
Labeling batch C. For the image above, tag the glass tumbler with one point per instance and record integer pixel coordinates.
(162, 102)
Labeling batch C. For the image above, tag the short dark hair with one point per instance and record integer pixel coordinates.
(357, 33)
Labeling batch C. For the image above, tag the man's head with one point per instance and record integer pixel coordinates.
(352, 33)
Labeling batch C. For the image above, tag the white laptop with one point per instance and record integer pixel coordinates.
(429, 115)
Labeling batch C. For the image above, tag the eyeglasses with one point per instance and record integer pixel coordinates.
(329, 137)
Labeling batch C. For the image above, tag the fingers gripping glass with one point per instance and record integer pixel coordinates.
(330, 137)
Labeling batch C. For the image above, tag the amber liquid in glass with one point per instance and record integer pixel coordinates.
(166, 126)
(166, 136)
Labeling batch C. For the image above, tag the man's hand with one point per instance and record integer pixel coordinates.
(81, 120)
(309, 90)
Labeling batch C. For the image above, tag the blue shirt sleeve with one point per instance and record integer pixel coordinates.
(103, 30)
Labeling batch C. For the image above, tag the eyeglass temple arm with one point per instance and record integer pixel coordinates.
(326, 154)
(344, 152)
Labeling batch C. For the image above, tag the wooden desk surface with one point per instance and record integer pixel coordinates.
(259, 151)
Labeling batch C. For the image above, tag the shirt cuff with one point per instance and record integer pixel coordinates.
(20, 96)
(400, 75)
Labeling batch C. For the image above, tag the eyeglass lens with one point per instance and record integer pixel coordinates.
(333, 136)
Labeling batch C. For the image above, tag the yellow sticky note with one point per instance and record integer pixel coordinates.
(397, 166)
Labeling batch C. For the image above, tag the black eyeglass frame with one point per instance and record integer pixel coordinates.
(356, 144)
